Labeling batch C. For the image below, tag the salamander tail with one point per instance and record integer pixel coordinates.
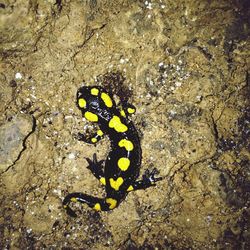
(96, 203)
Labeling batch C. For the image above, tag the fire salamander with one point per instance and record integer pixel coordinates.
(121, 170)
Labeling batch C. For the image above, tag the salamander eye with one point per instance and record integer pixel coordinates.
(94, 104)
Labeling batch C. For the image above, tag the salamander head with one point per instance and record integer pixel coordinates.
(88, 99)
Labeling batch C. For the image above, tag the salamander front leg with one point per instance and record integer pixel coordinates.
(91, 139)
(126, 109)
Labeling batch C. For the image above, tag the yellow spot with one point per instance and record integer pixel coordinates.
(97, 207)
(99, 132)
(65, 206)
(112, 202)
(73, 199)
(94, 140)
(116, 184)
(107, 100)
(94, 91)
(82, 103)
(123, 163)
(122, 112)
(127, 144)
(103, 180)
(91, 116)
(130, 188)
(131, 110)
(116, 123)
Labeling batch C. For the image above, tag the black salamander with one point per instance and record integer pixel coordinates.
(121, 169)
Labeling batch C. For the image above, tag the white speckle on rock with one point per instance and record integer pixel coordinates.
(18, 75)
(178, 84)
(57, 191)
(198, 97)
(151, 83)
(161, 64)
(122, 61)
(33, 96)
(68, 117)
(172, 112)
(149, 6)
(71, 156)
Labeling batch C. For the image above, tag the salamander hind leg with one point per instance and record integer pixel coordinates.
(96, 168)
(148, 180)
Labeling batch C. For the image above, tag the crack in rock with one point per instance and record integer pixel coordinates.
(13, 137)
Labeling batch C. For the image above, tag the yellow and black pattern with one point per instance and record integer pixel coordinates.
(121, 169)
